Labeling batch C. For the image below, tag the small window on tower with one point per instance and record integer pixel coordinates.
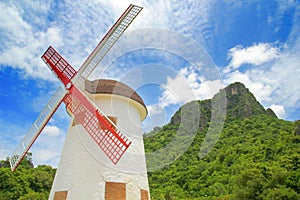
(60, 195)
(144, 195)
(115, 191)
(112, 119)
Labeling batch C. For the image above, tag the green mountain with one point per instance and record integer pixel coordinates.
(255, 155)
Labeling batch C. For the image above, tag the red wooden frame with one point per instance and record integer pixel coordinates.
(104, 133)
(61, 68)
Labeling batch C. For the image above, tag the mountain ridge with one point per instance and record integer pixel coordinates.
(240, 103)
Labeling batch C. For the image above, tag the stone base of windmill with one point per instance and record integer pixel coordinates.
(85, 172)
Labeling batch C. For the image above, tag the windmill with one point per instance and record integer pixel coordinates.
(118, 181)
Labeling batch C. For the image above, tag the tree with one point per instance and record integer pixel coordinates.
(26, 182)
(11, 186)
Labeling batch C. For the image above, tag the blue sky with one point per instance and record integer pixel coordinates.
(254, 42)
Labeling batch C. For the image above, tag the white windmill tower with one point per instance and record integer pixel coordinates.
(106, 118)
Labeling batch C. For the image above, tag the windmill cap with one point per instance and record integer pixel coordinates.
(108, 86)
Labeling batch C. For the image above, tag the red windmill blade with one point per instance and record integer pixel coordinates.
(99, 127)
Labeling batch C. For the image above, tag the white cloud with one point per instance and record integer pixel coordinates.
(157, 10)
(48, 147)
(21, 44)
(74, 28)
(176, 91)
(278, 110)
(207, 89)
(154, 109)
(24, 39)
(276, 83)
(176, 15)
(261, 89)
(255, 55)
(6, 147)
(46, 156)
(52, 131)
(157, 116)
(13, 23)
(187, 86)
(201, 87)
(45, 150)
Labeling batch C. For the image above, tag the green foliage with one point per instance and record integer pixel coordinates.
(254, 158)
(257, 155)
(34, 196)
(26, 182)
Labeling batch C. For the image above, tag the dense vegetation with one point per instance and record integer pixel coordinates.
(257, 156)
(27, 183)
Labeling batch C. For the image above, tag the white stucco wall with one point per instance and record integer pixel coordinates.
(84, 168)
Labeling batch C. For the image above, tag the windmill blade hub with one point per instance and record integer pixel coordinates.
(68, 86)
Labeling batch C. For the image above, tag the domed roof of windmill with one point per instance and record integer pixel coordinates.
(108, 86)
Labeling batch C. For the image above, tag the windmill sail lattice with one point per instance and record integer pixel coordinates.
(58, 65)
(96, 124)
(105, 44)
(37, 127)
